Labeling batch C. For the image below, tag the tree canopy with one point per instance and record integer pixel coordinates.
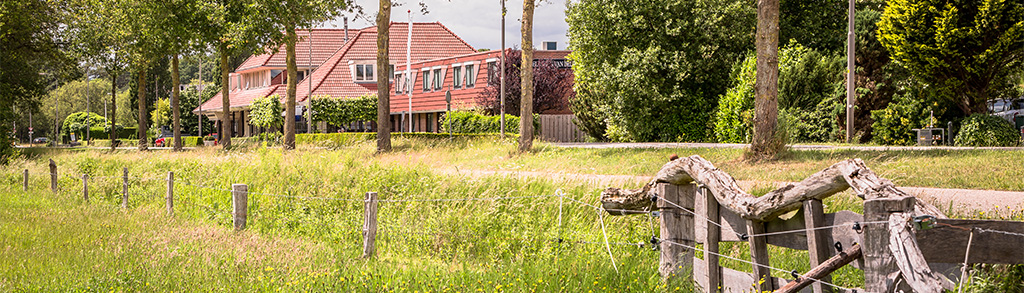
(965, 49)
(653, 70)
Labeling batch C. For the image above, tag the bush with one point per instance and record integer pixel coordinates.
(894, 125)
(472, 122)
(982, 130)
(341, 112)
(353, 138)
(186, 141)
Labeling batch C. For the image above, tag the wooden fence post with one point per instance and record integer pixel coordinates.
(818, 250)
(369, 224)
(759, 255)
(24, 184)
(714, 235)
(85, 187)
(53, 176)
(124, 193)
(170, 194)
(676, 226)
(878, 259)
(240, 205)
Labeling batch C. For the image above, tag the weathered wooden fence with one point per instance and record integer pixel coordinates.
(560, 128)
(900, 243)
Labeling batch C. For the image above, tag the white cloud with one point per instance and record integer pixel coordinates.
(478, 22)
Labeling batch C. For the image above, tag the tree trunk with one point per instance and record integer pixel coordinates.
(383, 87)
(225, 92)
(766, 107)
(143, 121)
(113, 110)
(526, 80)
(289, 103)
(175, 108)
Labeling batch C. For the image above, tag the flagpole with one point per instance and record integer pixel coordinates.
(408, 67)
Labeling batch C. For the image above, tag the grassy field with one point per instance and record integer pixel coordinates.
(59, 242)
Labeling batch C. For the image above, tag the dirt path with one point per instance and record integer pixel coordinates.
(959, 200)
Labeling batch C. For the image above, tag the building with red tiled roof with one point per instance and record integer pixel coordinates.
(344, 68)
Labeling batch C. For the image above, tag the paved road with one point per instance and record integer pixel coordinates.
(661, 145)
(960, 200)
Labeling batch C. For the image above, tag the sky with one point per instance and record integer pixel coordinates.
(478, 22)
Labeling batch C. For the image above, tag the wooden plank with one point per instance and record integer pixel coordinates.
(851, 174)
(85, 187)
(676, 226)
(910, 261)
(879, 262)
(734, 281)
(818, 248)
(712, 237)
(124, 191)
(822, 271)
(170, 194)
(731, 223)
(759, 255)
(945, 244)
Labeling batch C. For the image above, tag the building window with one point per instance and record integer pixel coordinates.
(364, 72)
(398, 86)
(470, 77)
(457, 77)
(428, 123)
(437, 79)
(492, 73)
(426, 80)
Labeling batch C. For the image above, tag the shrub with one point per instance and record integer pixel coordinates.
(186, 141)
(894, 125)
(981, 130)
(341, 112)
(472, 122)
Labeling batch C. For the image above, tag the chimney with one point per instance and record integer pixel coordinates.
(346, 28)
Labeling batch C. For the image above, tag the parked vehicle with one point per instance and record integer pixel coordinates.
(1012, 110)
(41, 140)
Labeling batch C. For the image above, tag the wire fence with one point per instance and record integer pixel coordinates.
(559, 239)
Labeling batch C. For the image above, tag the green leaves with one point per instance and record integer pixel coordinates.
(266, 112)
(341, 112)
(967, 50)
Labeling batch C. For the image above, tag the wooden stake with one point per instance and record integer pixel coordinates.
(85, 187)
(124, 193)
(818, 248)
(240, 205)
(24, 184)
(714, 235)
(369, 224)
(676, 226)
(879, 262)
(53, 176)
(170, 194)
(759, 255)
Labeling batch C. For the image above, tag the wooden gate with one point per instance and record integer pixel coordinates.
(900, 243)
(560, 128)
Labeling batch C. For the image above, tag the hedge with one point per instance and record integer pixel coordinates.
(187, 141)
(352, 138)
(101, 133)
(106, 142)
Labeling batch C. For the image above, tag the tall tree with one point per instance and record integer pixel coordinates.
(234, 26)
(290, 15)
(29, 52)
(966, 50)
(766, 143)
(91, 30)
(526, 75)
(653, 70)
(383, 76)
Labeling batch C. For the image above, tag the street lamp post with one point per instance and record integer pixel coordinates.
(850, 81)
(502, 69)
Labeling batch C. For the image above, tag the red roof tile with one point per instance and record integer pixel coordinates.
(430, 40)
(242, 98)
(324, 43)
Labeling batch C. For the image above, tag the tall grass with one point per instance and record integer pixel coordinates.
(58, 242)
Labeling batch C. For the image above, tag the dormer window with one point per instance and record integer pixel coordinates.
(457, 76)
(364, 73)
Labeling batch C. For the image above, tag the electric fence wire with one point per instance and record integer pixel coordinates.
(753, 263)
